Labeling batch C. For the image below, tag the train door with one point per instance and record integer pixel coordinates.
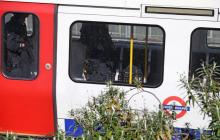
(26, 79)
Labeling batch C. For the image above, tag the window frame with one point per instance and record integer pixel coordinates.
(190, 73)
(125, 24)
(3, 69)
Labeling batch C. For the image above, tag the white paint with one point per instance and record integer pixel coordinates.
(72, 95)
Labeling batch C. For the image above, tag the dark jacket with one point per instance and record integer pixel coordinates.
(19, 59)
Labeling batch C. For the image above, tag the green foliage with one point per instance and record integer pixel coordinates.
(108, 116)
(203, 90)
(13, 136)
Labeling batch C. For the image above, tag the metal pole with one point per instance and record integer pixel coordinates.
(146, 56)
(131, 54)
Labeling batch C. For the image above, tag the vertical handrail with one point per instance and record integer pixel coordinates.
(131, 55)
(146, 56)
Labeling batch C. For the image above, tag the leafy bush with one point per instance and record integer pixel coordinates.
(108, 116)
(203, 90)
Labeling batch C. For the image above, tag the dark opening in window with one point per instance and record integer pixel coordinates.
(205, 48)
(101, 52)
(21, 43)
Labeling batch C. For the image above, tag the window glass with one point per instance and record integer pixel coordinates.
(213, 38)
(205, 48)
(20, 51)
(101, 52)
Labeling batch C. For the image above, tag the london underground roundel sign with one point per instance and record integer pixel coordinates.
(175, 104)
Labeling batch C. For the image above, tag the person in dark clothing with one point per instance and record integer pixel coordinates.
(99, 63)
(19, 48)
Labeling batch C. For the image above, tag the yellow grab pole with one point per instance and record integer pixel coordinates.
(131, 56)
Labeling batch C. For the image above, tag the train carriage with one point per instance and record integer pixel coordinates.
(77, 46)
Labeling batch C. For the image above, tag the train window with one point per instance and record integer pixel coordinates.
(205, 48)
(21, 43)
(121, 53)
